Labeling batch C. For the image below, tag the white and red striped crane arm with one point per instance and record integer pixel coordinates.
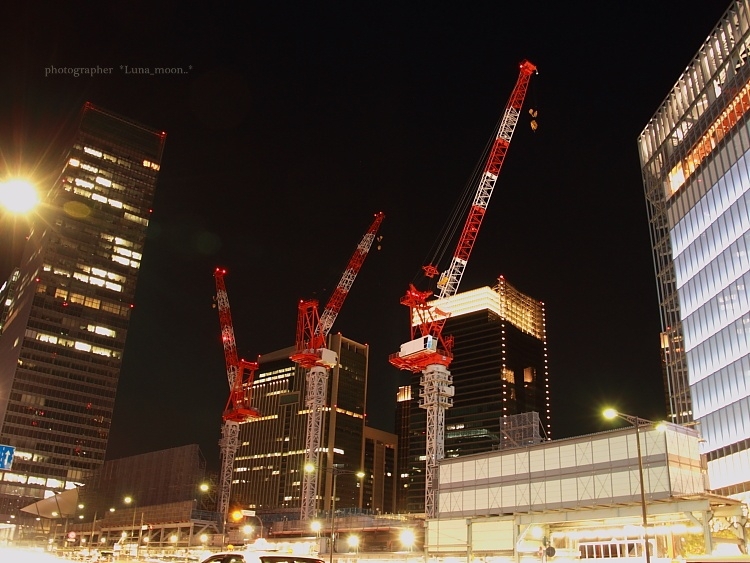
(451, 278)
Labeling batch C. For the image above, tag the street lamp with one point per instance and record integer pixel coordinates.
(353, 542)
(18, 196)
(129, 500)
(637, 423)
(310, 468)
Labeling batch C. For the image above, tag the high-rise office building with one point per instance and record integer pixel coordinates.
(499, 370)
(379, 484)
(695, 160)
(67, 320)
(270, 459)
(403, 418)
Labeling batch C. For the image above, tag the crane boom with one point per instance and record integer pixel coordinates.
(430, 352)
(238, 408)
(451, 278)
(311, 354)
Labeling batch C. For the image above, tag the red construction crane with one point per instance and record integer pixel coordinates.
(311, 353)
(240, 374)
(428, 350)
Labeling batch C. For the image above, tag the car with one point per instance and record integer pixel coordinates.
(259, 557)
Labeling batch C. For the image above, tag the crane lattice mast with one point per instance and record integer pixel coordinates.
(311, 354)
(430, 352)
(240, 375)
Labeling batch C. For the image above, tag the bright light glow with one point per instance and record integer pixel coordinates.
(610, 413)
(407, 538)
(26, 556)
(315, 526)
(353, 541)
(18, 196)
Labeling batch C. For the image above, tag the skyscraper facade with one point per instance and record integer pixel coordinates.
(67, 320)
(379, 483)
(270, 459)
(499, 370)
(403, 418)
(695, 160)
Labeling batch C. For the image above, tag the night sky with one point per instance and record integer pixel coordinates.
(292, 123)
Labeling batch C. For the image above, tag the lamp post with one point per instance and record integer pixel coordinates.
(310, 468)
(637, 423)
(129, 500)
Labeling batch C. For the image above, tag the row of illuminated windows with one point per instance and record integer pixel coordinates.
(725, 346)
(717, 312)
(725, 203)
(87, 301)
(710, 140)
(95, 279)
(109, 201)
(99, 154)
(726, 425)
(729, 470)
(716, 63)
(70, 343)
(707, 284)
(727, 227)
(51, 483)
(721, 388)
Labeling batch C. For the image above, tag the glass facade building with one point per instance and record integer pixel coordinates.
(68, 315)
(499, 371)
(270, 459)
(695, 160)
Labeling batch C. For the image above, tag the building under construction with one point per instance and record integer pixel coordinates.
(499, 370)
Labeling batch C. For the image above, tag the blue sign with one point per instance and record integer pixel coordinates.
(6, 456)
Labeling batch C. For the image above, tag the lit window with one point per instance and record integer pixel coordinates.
(97, 197)
(90, 168)
(113, 286)
(94, 152)
(115, 203)
(104, 331)
(136, 219)
(83, 346)
(96, 281)
(81, 277)
(51, 338)
(61, 293)
(83, 183)
(103, 181)
(79, 191)
(121, 260)
(74, 162)
(36, 480)
(123, 242)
